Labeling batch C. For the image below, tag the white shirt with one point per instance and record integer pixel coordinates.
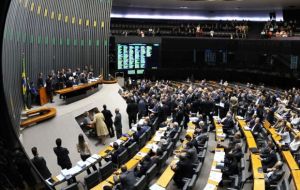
(294, 146)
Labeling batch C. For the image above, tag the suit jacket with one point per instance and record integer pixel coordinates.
(40, 82)
(63, 159)
(132, 108)
(107, 115)
(127, 180)
(184, 169)
(40, 164)
(118, 121)
(114, 156)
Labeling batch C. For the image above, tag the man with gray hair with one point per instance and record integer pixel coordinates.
(118, 123)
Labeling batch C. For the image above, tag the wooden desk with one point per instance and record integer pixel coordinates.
(258, 184)
(219, 130)
(290, 160)
(101, 185)
(256, 165)
(74, 93)
(166, 176)
(251, 142)
(296, 178)
(38, 115)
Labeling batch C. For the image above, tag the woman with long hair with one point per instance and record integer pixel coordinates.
(84, 151)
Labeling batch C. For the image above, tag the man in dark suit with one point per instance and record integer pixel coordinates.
(40, 81)
(183, 169)
(108, 121)
(62, 154)
(118, 150)
(257, 127)
(118, 123)
(126, 178)
(49, 88)
(40, 164)
(144, 166)
(132, 111)
(274, 174)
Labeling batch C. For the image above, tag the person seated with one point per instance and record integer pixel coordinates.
(268, 156)
(232, 159)
(126, 179)
(163, 143)
(295, 144)
(274, 173)
(172, 130)
(257, 127)
(87, 122)
(117, 151)
(69, 82)
(227, 123)
(285, 135)
(191, 152)
(183, 169)
(82, 78)
(142, 168)
(140, 130)
(232, 142)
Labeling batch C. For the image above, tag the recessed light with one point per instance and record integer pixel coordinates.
(183, 7)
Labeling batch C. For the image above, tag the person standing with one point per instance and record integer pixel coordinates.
(63, 159)
(100, 126)
(108, 121)
(49, 88)
(84, 151)
(40, 164)
(118, 123)
(40, 81)
(132, 111)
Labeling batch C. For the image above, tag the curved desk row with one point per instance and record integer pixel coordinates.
(38, 115)
(168, 174)
(287, 155)
(258, 175)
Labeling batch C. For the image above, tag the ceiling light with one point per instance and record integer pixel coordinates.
(183, 7)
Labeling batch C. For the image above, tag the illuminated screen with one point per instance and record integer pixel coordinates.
(138, 57)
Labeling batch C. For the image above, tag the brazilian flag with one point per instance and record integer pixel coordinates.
(24, 81)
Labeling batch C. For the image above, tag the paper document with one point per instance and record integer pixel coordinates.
(215, 176)
(142, 154)
(60, 177)
(76, 169)
(96, 156)
(210, 187)
(81, 164)
(91, 160)
(156, 187)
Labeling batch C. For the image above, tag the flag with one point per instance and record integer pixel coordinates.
(24, 82)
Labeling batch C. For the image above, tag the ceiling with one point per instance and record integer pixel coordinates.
(269, 5)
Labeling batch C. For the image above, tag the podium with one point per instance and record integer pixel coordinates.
(43, 96)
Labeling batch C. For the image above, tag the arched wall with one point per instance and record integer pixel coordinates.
(52, 34)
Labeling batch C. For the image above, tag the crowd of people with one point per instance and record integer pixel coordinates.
(163, 104)
(236, 29)
(283, 29)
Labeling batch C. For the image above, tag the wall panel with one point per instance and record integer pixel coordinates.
(52, 34)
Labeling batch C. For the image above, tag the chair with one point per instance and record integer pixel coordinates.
(198, 169)
(151, 172)
(122, 158)
(73, 186)
(162, 160)
(148, 134)
(201, 155)
(175, 138)
(132, 149)
(141, 184)
(190, 183)
(106, 170)
(92, 179)
(142, 140)
(278, 182)
(169, 149)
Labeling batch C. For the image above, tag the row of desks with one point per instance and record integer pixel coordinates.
(166, 177)
(287, 155)
(258, 175)
(132, 163)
